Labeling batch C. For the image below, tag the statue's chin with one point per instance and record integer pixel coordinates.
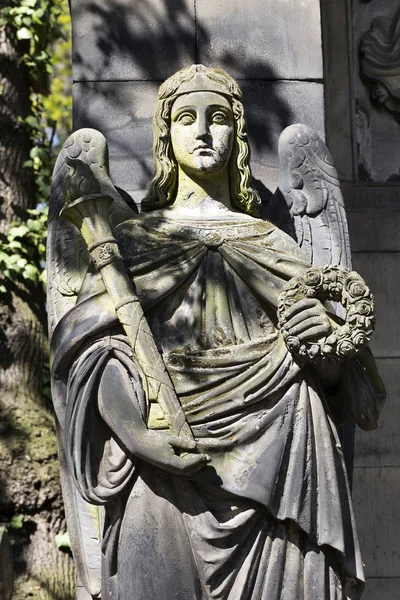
(207, 165)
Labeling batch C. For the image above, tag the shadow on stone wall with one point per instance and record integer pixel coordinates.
(123, 50)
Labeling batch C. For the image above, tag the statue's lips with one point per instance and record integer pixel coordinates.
(203, 150)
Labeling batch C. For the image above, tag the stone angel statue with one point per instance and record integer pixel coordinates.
(198, 367)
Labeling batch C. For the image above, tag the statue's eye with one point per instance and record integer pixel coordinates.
(219, 117)
(186, 119)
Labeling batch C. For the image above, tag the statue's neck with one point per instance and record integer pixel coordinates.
(202, 197)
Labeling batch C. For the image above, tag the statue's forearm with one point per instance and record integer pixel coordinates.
(120, 409)
(118, 404)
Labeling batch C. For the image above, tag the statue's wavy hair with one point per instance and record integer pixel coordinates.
(163, 187)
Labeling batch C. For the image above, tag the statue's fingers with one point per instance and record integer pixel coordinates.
(182, 442)
(314, 333)
(305, 325)
(300, 306)
(301, 316)
(188, 463)
(194, 463)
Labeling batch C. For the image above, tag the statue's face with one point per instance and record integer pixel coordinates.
(202, 132)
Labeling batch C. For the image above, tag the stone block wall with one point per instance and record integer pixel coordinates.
(123, 50)
(365, 142)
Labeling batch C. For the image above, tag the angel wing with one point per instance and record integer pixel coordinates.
(67, 263)
(67, 256)
(308, 204)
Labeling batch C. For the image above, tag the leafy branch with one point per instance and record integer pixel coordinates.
(22, 255)
(44, 26)
(37, 22)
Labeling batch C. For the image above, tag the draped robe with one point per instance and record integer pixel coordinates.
(270, 516)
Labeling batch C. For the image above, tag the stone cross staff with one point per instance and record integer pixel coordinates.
(90, 214)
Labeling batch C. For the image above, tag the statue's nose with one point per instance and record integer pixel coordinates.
(202, 126)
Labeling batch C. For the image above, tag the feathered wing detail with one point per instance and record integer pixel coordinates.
(67, 263)
(67, 256)
(308, 204)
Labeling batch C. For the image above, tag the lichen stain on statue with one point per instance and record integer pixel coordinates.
(380, 64)
(198, 373)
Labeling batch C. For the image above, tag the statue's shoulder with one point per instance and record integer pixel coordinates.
(143, 225)
(147, 231)
(274, 238)
(236, 227)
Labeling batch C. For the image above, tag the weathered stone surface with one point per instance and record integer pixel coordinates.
(378, 138)
(381, 272)
(272, 106)
(362, 197)
(382, 589)
(377, 133)
(123, 112)
(376, 493)
(338, 108)
(381, 447)
(125, 40)
(377, 230)
(364, 142)
(372, 155)
(136, 40)
(261, 38)
(82, 594)
(380, 63)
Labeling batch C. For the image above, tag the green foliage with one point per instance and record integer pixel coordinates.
(35, 21)
(22, 255)
(58, 104)
(16, 522)
(62, 541)
(45, 26)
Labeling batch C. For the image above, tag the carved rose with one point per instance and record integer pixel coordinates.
(344, 348)
(303, 350)
(335, 290)
(313, 278)
(327, 349)
(360, 339)
(313, 351)
(293, 344)
(353, 317)
(330, 275)
(364, 308)
(341, 285)
(356, 288)
(311, 293)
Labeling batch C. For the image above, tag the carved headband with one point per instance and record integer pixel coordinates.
(201, 82)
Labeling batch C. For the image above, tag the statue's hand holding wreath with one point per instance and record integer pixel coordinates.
(304, 322)
(307, 320)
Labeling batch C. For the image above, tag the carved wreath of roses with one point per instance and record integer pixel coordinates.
(340, 285)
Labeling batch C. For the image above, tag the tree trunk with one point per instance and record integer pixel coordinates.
(29, 479)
